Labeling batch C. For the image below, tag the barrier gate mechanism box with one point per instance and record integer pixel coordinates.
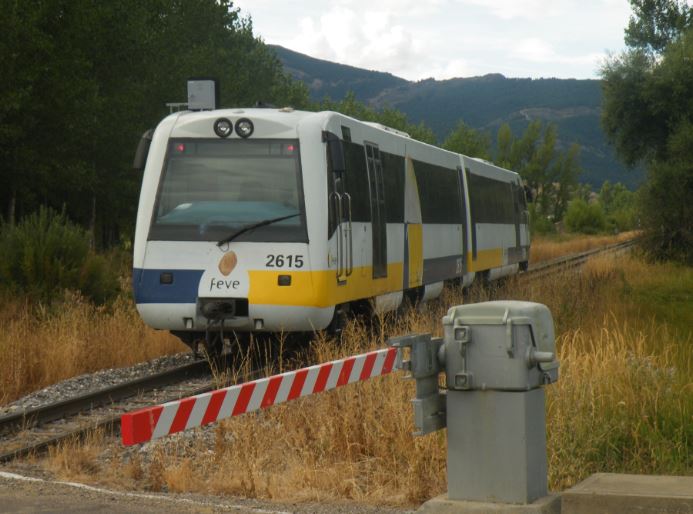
(496, 356)
(504, 346)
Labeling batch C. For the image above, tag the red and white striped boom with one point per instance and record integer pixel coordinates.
(162, 420)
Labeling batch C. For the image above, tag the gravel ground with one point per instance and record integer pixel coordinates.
(93, 382)
(22, 493)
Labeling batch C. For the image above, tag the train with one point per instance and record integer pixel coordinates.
(265, 220)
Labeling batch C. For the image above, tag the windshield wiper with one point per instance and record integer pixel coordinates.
(252, 226)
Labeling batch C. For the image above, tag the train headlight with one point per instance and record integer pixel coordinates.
(244, 127)
(223, 127)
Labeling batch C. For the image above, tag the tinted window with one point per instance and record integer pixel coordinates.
(491, 201)
(211, 188)
(378, 195)
(393, 170)
(357, 182)
(439, 193)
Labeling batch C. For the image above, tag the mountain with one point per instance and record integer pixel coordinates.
(481, 102)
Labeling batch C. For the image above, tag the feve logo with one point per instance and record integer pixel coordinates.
(228, 263)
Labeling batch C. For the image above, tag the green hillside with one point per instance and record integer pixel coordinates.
(482, 102)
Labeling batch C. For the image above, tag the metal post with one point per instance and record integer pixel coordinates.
(496, 446)
(496, 357)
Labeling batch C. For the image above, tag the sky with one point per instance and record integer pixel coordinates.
(442, 39)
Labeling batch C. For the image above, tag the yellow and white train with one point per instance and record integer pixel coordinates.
(274, 220)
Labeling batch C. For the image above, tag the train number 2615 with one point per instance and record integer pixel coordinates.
(279, 261)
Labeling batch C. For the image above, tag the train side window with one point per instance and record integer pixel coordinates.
(393, 178)
(357, 182)
(346, 134)
(439, 193)
(521, 195)
(491, 200)
(377, 197)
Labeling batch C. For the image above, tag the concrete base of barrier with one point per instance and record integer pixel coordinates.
(441, 505)
(606, 493)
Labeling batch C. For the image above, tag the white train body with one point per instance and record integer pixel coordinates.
(390, 217)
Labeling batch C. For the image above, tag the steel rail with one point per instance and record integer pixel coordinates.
(109, 423)
(559, 264)
(43, 414)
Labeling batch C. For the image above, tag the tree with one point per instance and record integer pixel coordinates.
(585, 218)
(467, 141)
(666, 200)
(83, 79)
(619, 206)
(551, 173)
(504, 146)
(656, 23)
(647, 113)
(392, 118)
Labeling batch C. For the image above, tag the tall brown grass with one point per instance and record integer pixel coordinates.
(41, 345)
(623, 403)
(546, 248)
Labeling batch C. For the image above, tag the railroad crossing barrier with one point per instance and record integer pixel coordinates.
(495, 356)
(162, 420)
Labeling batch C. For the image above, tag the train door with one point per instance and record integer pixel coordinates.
(339, 208)
(377, 196)
(516, 191)
(462, 267)
(472, 235)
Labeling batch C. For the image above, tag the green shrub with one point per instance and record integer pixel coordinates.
(539, 223)
(622, 221)
(583, 217)
(619, 205)
(46, 253)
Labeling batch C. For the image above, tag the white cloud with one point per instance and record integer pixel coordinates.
(539, 51)
(418, 39)
(370, 39)
(534, 49)
(511, 9)
(450, 69)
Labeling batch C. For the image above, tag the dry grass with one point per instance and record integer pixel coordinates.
(77, 458)
(624, 403)
(547, 248)
(83, 338)
(42, 345)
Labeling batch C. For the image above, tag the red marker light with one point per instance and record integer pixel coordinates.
(290, 148)
(180, 148)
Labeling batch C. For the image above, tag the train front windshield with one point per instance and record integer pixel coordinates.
(213, 188)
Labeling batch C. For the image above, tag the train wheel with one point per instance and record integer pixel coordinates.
(339, 320)
(214, 351)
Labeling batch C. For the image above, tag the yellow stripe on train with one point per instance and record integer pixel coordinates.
(320, 288)
(485, 259)
(415, 238)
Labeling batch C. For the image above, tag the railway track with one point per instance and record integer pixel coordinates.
(561, 264)
(35, 430)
